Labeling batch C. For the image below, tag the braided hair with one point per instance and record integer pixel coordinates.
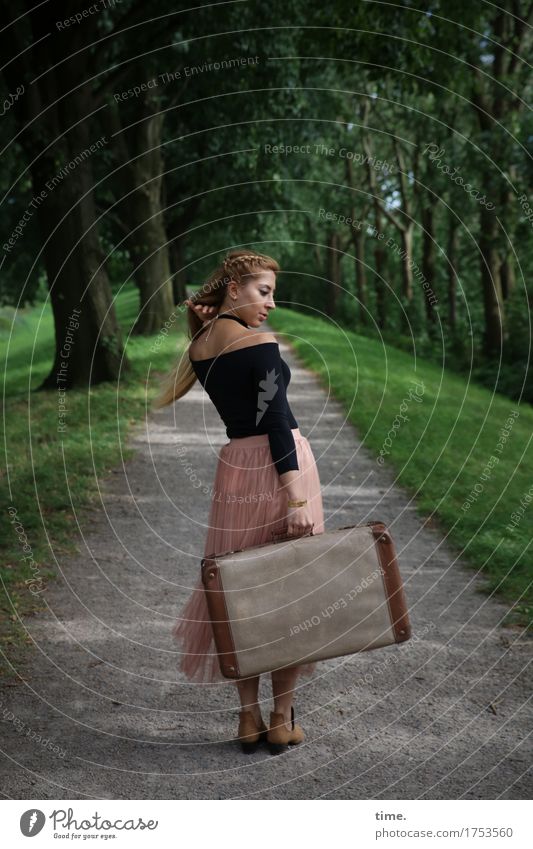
(236, 258)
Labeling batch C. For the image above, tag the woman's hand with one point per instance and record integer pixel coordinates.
(204, 312)
(299, 520)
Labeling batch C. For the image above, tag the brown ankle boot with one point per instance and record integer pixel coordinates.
(278, 738)
(250, 734)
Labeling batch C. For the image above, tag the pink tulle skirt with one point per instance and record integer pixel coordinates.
(247, 505)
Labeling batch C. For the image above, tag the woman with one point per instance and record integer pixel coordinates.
(266, 479)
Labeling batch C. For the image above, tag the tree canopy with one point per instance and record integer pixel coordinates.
(381, 152)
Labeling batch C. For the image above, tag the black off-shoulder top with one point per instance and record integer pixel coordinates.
(248, 387)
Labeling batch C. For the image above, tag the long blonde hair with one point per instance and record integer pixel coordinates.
(238, 265)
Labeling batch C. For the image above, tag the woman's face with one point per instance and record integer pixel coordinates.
(255, 298)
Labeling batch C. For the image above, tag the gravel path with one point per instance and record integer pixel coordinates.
(445, 716)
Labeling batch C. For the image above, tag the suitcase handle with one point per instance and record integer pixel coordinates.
(281, 536)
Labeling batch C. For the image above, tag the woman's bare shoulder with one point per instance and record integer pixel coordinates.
(233, 339)
(256, 337)
(247, 339)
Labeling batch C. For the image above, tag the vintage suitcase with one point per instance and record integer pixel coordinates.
(302, 599)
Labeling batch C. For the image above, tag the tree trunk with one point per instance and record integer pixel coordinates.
(360, 274)
(177, 260)
(452, 255)
(149, 252)
(56, 134)
(407, 256)
(142, 210)
(491, 284)
(508, 275)
(506, 216)
(379, 261)
(176, 226)
(358, 239)
(92, 352)
(428, 263)
(333, 274)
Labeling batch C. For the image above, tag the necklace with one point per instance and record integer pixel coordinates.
(224, 315)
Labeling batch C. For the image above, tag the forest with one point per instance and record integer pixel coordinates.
(380, 151)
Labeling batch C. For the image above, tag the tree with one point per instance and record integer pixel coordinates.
(55, 135)
(138, 189)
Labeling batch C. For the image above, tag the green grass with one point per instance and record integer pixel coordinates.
(48, 477)
(441, 452)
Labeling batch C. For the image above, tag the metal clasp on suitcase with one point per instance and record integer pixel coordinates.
(378, 528)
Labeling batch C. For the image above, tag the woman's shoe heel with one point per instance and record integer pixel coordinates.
(278, 738)
(277, 748)
(250, 734)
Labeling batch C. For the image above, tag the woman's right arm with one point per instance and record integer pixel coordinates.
(299, 519)
(291, 484)
(272, 411)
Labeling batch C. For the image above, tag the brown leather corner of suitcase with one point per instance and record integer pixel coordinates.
(218, 614)
(393, 582)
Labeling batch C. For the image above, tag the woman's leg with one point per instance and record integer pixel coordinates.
(283, 681)
(248, 694)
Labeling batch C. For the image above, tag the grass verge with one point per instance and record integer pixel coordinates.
(462, 451)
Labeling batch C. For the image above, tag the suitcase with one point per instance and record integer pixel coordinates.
(298, 600)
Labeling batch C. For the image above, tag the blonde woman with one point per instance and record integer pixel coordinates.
(266, 478)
